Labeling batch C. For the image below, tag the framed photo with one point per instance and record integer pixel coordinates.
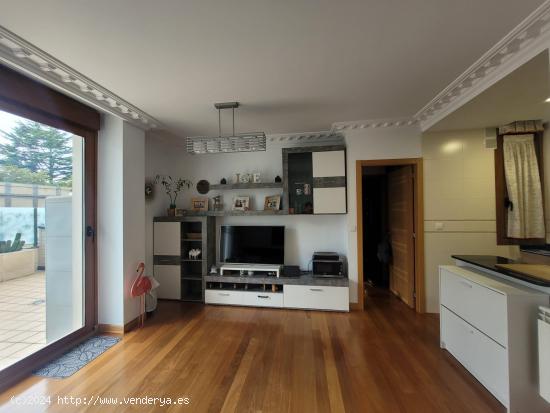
(272, 203)
(199, 204)
(241, 203)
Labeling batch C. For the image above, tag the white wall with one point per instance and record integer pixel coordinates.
(121, 212)
(459, 194)
(304, 234)
(134, 212)
(110, 210)
(369, 144)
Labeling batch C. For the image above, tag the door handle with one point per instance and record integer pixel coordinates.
(466, 283)
(90, 232)
(263, 296)
(316, 289)
(224, 294)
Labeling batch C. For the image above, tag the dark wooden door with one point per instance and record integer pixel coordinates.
(401, 228)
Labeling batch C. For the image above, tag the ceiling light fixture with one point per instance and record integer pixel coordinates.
(547, 100)
(243, 142)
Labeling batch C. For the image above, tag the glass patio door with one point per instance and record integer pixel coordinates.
(42, 236)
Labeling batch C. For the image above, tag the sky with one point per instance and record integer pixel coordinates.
(7, 122)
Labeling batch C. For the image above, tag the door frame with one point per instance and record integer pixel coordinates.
(29, 99)
(419, 279)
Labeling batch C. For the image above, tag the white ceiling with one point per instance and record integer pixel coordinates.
(519, 96)
(294, 65)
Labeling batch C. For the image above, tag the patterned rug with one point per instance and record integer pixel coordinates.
(76, 358)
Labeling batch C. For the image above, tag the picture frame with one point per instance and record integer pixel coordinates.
(241, 203)
(199, 204)
(272, 203)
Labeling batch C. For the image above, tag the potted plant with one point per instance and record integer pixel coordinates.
(172, 187)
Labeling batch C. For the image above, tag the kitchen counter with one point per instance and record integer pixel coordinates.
(489, 262)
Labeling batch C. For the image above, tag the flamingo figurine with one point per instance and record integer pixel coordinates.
(141, 286)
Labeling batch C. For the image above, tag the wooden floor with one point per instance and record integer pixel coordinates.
(386, 359)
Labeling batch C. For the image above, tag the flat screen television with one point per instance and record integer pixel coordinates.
(252, 244)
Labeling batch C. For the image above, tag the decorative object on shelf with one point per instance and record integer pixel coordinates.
(244, 178)
(272, 203)
(241, 203)
(180, 212)
(223, 181)
(203, 187)
(193, 235)
(217, 204)
(172, 187)
(149, 190)
(199, 204)
(214, 270)
(194, 253)
(244, 142)
(307, 189)
(256, 178)
(236, 178)
(278, 179)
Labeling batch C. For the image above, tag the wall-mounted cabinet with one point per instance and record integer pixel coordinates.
(315, 180)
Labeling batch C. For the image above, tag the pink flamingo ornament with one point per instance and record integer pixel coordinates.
(141, 286)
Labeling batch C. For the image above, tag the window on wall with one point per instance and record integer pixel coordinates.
(519, 188)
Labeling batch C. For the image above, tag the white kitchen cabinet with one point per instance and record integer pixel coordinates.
(489, 326)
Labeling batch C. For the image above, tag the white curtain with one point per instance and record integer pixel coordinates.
(526, 214)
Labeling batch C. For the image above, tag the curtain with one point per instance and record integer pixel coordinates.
(525, 213)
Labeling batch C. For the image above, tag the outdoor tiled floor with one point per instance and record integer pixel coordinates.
(22, 317)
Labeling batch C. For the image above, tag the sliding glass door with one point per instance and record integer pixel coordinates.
(42, 236)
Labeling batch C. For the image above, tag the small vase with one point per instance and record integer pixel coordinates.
(171, 212)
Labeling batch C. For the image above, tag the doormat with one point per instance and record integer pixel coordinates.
(76, 358)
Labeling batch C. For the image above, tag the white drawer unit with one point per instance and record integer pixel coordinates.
(489, 326)
(479, 305)
(169, 278)
(263, 299)
(167, 238)
(483, 357)
(223, 297)
(316, 297)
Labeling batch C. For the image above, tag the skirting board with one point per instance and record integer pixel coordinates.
(118, 329)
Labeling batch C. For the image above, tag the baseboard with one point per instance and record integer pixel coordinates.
(110, 328)
(130, 325)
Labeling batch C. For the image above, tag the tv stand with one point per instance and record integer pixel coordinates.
(251, 269)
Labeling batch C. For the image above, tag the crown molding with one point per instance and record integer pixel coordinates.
(525, 41)
(372, 124)
(29, 59)
(306, 137)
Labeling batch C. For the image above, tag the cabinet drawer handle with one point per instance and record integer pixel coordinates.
(316, 289)
(224, 294)
(264, 296)
(466, 283)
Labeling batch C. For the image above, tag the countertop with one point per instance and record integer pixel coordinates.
(489, 262)
(304, 279)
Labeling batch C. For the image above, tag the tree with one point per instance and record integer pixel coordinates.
(16, 175)
(39, 149)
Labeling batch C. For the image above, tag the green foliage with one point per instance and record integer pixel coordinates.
(38, 149)
(173, 186)
(9, 246)
(17, 175)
